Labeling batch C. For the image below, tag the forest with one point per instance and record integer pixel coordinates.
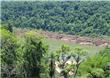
(25, 53)
(84, 18)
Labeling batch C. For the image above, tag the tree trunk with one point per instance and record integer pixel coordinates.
(65, 75)
(77, 67)
(52, 69)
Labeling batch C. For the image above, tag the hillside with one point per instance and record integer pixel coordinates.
(23, 48)
(102, 42)
(55, 40)
(85, 18)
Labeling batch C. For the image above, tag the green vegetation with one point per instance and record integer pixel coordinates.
(87, 18)
(33, 52)
(98, 66)
(8, 53)
(55, 44)
(28, 56)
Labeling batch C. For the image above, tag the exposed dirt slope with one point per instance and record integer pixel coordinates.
(69, 38)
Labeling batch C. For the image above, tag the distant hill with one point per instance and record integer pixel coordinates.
(85, 18)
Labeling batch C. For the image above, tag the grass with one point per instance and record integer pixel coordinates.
(56, 44)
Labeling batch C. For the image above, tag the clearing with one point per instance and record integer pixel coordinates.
(55, 40)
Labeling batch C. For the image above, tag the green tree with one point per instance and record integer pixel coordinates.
(96, 73)
(86, 18)
(79, 56)
(8, 54)
(62, 56)
(34, 50)
(98, 65)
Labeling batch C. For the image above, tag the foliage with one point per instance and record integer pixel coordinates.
(79, 56)
(8, 54)
(88, 18)
(95, 65)
(34, 50)
(28, 56)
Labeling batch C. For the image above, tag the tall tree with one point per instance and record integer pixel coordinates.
(79, 56)
(33, 52)
(62, 57)
(8, 54)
